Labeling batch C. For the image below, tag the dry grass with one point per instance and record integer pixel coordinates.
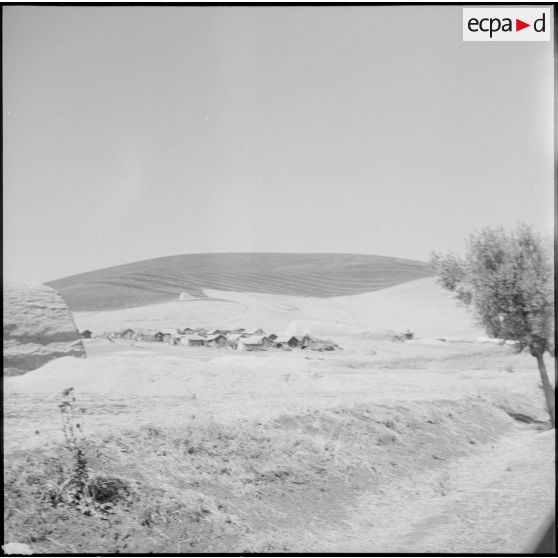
(215, 488)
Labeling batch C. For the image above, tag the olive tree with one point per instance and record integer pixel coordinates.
(506, 278)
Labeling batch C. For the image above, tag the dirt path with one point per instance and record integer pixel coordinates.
(489, 502)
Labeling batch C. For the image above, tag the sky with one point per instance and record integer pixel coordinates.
(137, 132)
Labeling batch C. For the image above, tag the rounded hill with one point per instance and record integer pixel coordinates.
(164, 279)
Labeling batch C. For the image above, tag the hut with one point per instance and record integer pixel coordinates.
(196, 341)
(158, 336)
(147, 337)
(294, 342)
(218, 332)
(281, 341)
(250, 344)
(216, 341)
(86, 334)
(187, 331)
(267, 343)
(127, 334)
(305, 341)
(273, 337)
(169, 335)
(291, 341)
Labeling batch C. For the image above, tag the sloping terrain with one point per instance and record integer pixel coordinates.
(38, 327)
(383, 446)
(420, 305)
(163, 279)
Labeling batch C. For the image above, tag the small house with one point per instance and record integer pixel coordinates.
(273, 337)
(127, 334)
(169, 335)
(267, 343)
(250, 344)
(294, 342)
(305, 341)
(86, 334)
(158, 336)
(196, 341)
(147, 337)
(218, 332)
(187, 331)
(216, 341)
(285, 341)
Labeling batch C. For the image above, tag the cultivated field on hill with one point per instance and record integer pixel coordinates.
(438, 444)
(163, 279)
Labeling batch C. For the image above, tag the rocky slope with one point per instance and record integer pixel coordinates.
(38, 327)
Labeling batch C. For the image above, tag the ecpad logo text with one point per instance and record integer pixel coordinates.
(506, 24)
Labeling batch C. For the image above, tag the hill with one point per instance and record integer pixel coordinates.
(421, 305)
(163, 279)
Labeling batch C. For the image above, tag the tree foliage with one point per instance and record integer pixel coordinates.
(507, 280)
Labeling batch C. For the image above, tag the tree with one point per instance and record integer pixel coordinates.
(507, 280)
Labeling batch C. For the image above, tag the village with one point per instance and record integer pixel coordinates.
(237, 339)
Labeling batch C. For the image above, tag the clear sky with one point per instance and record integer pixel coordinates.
(137, 132)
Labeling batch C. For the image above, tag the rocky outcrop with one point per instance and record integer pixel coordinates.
(38, 327)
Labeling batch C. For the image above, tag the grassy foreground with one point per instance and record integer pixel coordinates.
(242, 487)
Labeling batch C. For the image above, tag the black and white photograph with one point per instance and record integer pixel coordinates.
(278, 278)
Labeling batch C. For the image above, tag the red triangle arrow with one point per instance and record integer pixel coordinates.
(519, 25)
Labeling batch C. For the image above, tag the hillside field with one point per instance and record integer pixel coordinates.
(163, 279)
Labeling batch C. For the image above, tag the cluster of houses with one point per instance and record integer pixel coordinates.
(237, 339)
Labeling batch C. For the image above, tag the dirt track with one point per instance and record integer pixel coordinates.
(489, 502)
